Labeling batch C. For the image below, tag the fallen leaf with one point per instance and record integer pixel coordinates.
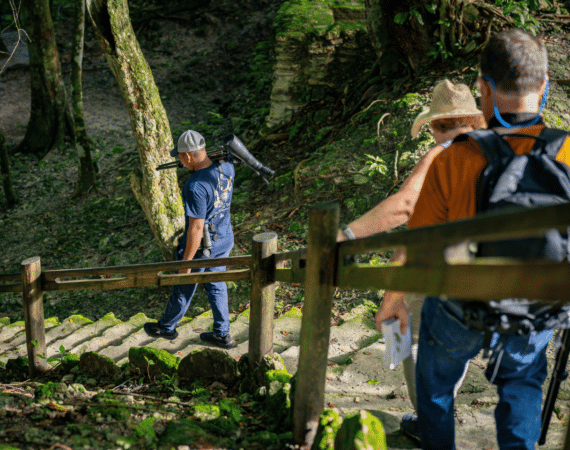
(330, 405)
(367, 353)
(54, 406)
(199, 330)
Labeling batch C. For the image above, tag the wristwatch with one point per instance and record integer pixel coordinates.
(348, 233)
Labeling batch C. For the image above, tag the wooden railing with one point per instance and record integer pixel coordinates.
(322, 266)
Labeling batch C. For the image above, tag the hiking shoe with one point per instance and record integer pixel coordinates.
(219, 341)
(153, 329)
(409, 426)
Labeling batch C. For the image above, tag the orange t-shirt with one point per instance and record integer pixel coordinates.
(449, 190)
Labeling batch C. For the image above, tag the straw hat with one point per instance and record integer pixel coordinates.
(448, 102)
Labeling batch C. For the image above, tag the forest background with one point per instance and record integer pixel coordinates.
(213, 63)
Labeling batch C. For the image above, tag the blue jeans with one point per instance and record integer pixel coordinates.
(445, 345)
(181, 297)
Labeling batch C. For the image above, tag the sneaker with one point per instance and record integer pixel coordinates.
(409, 426)
(220, 341)
(153, 329)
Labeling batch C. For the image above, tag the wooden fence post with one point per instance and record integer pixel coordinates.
(315, 328)
(262, 303)
(34, 314)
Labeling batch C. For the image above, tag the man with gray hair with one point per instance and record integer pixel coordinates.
(207, 197)
(514, 86)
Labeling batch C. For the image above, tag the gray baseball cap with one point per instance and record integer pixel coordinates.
(189, 141)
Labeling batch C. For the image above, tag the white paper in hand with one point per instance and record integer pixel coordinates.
(398, 346)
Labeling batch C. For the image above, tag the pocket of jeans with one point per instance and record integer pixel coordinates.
(452, 334)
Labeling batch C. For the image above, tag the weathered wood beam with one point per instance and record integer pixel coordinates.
(34, 315)
(262, 304)
(315, 327)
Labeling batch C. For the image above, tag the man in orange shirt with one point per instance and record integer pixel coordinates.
(513, 83)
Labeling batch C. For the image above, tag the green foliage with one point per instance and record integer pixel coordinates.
(520, 12)
(375, 165)
(145, 430)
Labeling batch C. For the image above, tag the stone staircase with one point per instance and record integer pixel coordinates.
(356, 377)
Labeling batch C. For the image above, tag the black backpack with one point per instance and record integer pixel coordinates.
(514, 181)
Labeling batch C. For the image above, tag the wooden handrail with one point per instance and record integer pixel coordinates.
(485, 227)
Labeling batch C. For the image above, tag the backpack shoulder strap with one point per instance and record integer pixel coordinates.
(497, 152)
(554, 140)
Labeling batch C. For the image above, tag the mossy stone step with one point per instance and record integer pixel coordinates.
(74, 342)
(4, 321)
(287, 330)
(12, 348)
(188, 338)
(350, 336)
(10, 331)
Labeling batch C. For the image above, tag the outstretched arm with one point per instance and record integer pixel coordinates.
(396, 209)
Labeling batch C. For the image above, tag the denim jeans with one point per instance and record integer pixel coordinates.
(445, 345)
(181, 297)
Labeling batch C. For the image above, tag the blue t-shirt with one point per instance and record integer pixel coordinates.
(208, 195)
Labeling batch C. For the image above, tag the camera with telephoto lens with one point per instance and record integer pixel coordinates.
(232, 149)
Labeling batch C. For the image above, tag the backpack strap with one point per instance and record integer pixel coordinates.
(552, 141)
(497, 152)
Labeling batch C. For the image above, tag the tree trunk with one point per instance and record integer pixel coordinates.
(396, 44)
(86, 174)
(5, 170)
(157, 192)
(50, 118)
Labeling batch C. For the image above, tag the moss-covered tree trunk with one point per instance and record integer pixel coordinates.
(50, 117)
(406, 33)
(5, 171)
(397, 44)
(156, 192)
(86, 174)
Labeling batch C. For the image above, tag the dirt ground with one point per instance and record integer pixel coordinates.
(189, 69)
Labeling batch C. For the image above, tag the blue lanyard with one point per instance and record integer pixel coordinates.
(498, 115)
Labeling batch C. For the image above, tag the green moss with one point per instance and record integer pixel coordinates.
(51, 322)
(139, 318)
(369, 340)
(5, 321)
(278, 375)
(245, 314)
(114, 412)
(49, 390)
(110, 317)
(206, 411)
(152, 361)
(18, 324)
(69, 361)
(293, 312)
(362, 430)
(297, 18)
(77, 318)
(330, 422)
(229, 408)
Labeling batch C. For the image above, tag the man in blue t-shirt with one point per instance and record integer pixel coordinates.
(207, 196)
